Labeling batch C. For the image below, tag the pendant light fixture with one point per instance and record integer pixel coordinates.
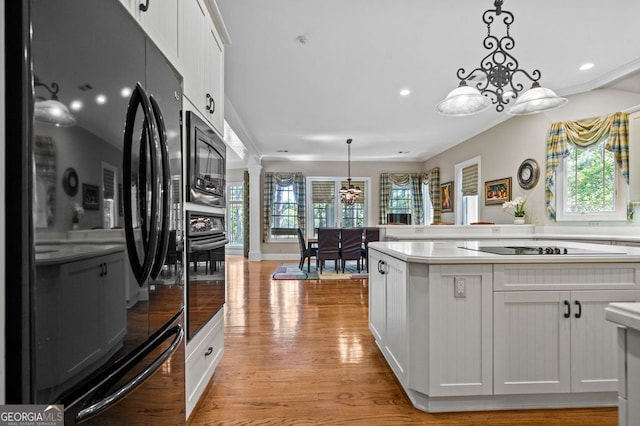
(51, 111)
(349, 194)
(494, 78)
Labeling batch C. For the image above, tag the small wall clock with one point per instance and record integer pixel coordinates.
(70, 182)
(528, 173)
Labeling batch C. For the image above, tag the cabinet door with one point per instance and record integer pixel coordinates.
(160, 22)
(531, 342)
(460, 330)
(114, 301)
(214, 77)
(396, 343)
(192, 37)
(593, 340)
(377, 297)
(80, 315)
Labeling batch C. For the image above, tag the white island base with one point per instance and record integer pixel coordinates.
(464, 330)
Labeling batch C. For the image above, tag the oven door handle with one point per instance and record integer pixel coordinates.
(163, 243)
(208, 246)
(111, 399)
(141, 270)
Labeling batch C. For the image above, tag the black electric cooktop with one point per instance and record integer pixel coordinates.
(541, 250)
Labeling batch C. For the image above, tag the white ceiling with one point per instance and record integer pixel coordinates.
(345, 81)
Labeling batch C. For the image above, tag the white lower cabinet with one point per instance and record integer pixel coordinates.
(203, 354)
(555, 341)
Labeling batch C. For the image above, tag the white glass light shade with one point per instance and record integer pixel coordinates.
(463, 100)
(536, 99)
(349, 195)
(53, 112)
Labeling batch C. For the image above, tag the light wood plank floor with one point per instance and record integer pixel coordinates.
(300, 353)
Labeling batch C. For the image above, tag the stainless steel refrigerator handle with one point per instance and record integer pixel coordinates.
(163, 244)
(140, 270)
(107, 402)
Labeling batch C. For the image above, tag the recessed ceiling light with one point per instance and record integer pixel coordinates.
(101, 99)
(405, 92)
(586, 66)
(403, 152)
(282, 150)
(125, 92)
(76, 105)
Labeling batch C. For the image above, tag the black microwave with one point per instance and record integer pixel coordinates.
(206, 167)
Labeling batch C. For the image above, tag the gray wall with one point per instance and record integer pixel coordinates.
(85, 152)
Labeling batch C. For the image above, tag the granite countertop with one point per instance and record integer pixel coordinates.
(626, 314)
(465, 252)
(51, 254)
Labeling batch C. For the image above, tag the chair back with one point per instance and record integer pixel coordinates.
(351, 243)
(301, 241)
(328, 243)
(371, 233)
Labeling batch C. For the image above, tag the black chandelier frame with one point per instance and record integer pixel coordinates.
(499, 67)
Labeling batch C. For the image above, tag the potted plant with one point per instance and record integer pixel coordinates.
(518, 205)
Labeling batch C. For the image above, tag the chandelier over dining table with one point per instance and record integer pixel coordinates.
(494, 81)
(349, 194)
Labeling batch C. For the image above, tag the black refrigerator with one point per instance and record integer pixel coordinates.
(94, 304)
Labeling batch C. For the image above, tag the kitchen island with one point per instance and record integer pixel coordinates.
(464, 329)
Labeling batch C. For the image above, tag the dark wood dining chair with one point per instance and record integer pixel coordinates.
(328, 246)
(350, 246)
(306, 252)
(371, 233)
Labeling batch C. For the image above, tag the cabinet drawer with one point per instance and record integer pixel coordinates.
(576, 276)
(202, 361)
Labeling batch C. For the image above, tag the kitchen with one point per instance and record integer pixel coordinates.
(502, 132)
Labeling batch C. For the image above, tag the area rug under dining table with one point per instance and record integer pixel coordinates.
(287, 271)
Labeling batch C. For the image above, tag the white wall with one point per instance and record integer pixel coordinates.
(506, 145)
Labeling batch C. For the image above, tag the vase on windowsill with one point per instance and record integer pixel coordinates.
(518, 220)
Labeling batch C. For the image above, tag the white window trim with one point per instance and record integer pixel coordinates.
(621, 192)
(457, 186)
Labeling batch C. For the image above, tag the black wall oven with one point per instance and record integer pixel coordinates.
(207, 163)
(206, 240)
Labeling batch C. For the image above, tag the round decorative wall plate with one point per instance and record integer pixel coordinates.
(528, 173)
(70, 182)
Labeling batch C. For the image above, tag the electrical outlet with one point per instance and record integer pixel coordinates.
(459, 287)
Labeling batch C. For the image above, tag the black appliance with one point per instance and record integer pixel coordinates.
(206, 167)
(95, 323)
(206, 240)
(541, 250)
(399, 218)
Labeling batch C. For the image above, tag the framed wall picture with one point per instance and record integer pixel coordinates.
(497, 191)
(446, 194)
(90, 197)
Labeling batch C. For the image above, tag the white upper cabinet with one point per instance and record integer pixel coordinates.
(202, 59)
(159, 19)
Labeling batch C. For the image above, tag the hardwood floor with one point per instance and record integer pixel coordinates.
(300, 353)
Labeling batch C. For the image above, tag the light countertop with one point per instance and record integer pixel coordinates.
(626, 314)
(51, 254)
(465, 251)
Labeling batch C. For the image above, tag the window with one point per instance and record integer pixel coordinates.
(427, 205)
(467, 179)
(109, 196)
(400, 199)
(235, 214)
(589, 187)
(326, 209)
(284, 213)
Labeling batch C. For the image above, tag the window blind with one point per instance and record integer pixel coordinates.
(470, 180)
(108, 179)
(322, 192)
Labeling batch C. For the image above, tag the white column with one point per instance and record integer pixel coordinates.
(255, 213)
